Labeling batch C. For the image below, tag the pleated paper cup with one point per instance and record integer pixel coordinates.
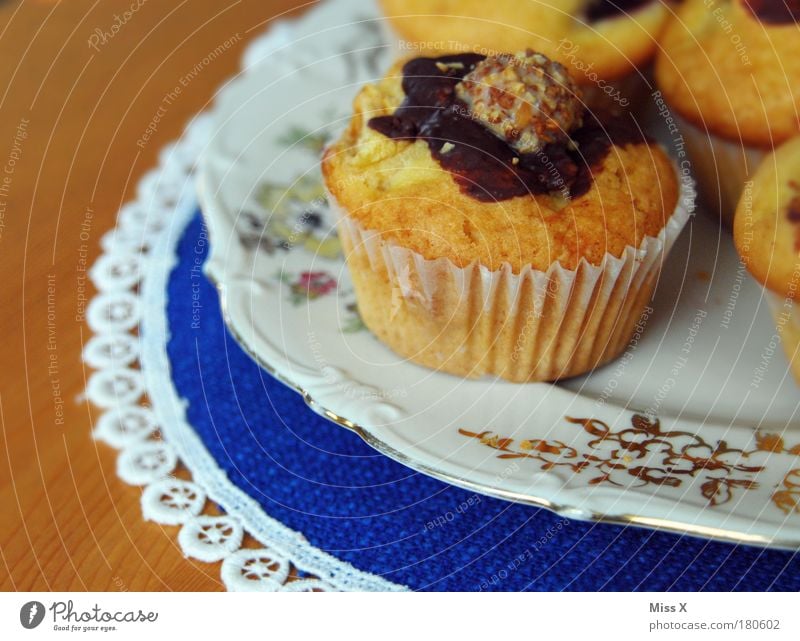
(528, 326)
(786, 313)
(721, 168)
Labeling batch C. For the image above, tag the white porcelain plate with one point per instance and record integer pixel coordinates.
(722, 459)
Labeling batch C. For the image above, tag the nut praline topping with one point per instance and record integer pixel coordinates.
(527, 99)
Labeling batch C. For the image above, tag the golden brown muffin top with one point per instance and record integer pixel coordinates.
(397, 188)
(767, 224)
(733, 66)
(593, 38)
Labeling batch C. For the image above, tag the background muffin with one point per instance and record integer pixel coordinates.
(767, 235)
(593, 39)
(732, 71)
(454, 273)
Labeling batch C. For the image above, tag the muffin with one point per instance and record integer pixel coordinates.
(493, 225)
(767, 235)
(598, 41)
(731, 71)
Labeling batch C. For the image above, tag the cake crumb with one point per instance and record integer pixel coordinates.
(446, 67)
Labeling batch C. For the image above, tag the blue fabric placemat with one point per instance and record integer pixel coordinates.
(364, 508)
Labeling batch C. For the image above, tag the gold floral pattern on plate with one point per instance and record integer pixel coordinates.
(646, 454)
(787, 495)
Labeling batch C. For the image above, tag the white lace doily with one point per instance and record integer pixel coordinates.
(143, 416)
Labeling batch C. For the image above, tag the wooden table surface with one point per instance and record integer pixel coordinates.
(70, 116)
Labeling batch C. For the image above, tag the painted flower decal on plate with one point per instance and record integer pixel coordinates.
(293, 215)
(309, 285)
(353, 322)
(312, 285)
(310, 139)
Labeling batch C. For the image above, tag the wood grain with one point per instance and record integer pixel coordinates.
(71, 117)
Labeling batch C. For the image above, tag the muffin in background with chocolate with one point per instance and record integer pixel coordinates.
(491, 224)
(599, 41)
(731, 70)
(767, 235)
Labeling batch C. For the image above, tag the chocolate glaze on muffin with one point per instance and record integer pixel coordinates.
(485, 165)
(604, 9)
(775, 12)
(793, 212)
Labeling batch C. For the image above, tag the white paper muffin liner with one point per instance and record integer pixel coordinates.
(721, 167)
(528, 326)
